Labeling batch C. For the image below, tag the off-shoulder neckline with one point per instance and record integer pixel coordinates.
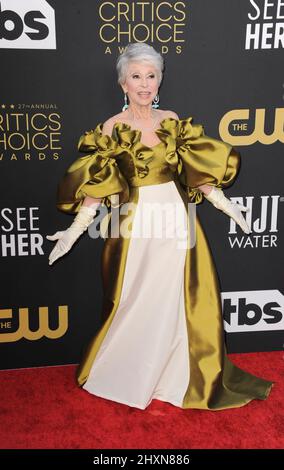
(118, 123)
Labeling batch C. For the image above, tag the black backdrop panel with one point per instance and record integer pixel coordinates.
(58, 79)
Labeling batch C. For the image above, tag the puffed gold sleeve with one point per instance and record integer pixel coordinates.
(205, 160)
(96, 174)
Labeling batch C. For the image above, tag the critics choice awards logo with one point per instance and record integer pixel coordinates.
(161, 22)
(30, 132)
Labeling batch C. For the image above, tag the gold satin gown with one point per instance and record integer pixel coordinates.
(162, 335)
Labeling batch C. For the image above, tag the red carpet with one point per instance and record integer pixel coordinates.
(43, 408)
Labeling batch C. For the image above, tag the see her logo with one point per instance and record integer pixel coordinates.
(28, 24)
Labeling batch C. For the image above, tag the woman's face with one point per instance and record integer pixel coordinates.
(141, 83)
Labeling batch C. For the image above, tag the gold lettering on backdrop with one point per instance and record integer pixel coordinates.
(258, 133)
(36, 121)
(28, 134)
(24, 330)
(149, 21)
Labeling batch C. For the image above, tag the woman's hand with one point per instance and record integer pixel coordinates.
(232, 209)
(66, 238)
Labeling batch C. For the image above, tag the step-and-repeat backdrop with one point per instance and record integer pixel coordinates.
(224, 67)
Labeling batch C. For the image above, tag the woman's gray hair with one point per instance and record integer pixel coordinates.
(139, 51)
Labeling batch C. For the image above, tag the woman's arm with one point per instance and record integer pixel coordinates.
(205, 188)
(90, 201)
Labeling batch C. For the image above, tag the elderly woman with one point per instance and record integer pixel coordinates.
(162, 335)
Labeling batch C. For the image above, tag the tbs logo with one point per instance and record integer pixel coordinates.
(28, 24)
(257, 310)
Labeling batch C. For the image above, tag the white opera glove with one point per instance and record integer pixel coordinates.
(232, 209)
(66, 238)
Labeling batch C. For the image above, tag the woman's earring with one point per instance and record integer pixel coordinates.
(156, 101)
(125, 102)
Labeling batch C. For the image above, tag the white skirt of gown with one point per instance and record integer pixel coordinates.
(144, 354)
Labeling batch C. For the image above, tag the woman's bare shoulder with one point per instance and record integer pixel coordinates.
(171, 114)
(109, 123)
(165, 113)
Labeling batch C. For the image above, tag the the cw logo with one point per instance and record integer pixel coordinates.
(258, 134)
(24, 330)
